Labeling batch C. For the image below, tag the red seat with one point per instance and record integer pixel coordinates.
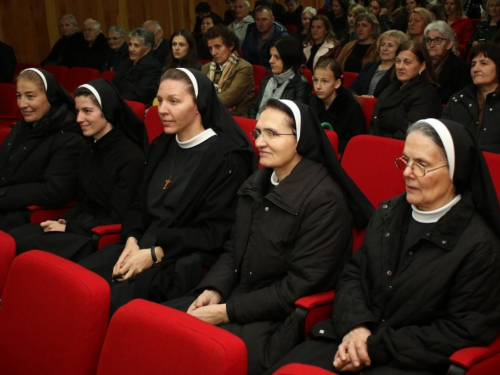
(493, 162)
(148, 338)
(43, 213)
(20, 67)
(308, 75)
(79, 76)
(53, 318)
(108, 75)
(349, 78)
(290, 28)
(138, 108)
(7, 255)
(259, 72)
(203, 62)
(300, 369)
(9, 112)
(248, 124)
(368, 105)
(58, 71)
(105, 234)
(334, 141)
(154, 126)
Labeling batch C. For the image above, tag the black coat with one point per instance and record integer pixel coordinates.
(39, 165)
(344, 114)
(8, 63)
(453, 77)
(463, 108)
(82, 55)
(138, 82)
(161, 52)
(284, 245)
(298, 89)
(62, 50)
(361, 84)
(115, 58)
(398, 107)
(443, 297)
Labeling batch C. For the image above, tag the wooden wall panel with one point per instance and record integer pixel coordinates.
(30, 27)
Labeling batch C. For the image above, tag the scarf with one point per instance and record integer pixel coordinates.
(231, 63)
(275, 87)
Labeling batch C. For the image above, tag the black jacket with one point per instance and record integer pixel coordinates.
(82, 55)
(62, 50)
(453, 77)
(161, 52)
(344, 114)
(463, 108)
(398, 107)
(298, 89)
(285, 244)
(109, 175)
(443, 297)
(114, 58)
(138, 82)
(361, 84)
(39, 165)
(8, 63)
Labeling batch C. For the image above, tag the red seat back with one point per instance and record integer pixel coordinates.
(154, 126)
(290, 28)
(334, 140)
(9, 112)
(20, 67)
(7, 255)
(368, 107)
(138, 108)
(53, 318)
(108, 75)
(248, 124)
(308, 74)
(493, 162)
(259, 72)
(79, 76)
(301, 369)
(58, 71)
(148, 338)
(349, 78)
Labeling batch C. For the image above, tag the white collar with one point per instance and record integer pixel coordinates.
(223, 65)
(274, 179)
(435, 215)
(197, 140)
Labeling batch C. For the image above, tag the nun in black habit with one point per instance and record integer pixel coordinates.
(292, 235)
(425, 282)
(39, 157)
(108, 175)
(186, 202)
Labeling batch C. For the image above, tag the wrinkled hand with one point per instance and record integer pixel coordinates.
(208, 297)
(352, 354)
(54, 226)
(213, 314)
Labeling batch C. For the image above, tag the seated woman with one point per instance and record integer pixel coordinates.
(62, 49)
(202, 50)
(291, 237)
(39, 157)
(184, 210)
(184, 54)
(286, 81)
(334, 104)
(109, 174)
(453, 73)
(425, 283)
(477, 106)
(459, 22)
(375, 77)
(418, 20)
(293, 14)
(349, 33)
(338, 15)
(137, 76)
(355, 55)
(231, 75)
(487, 29)
(307, 15)
(411, 97)
(321, 42)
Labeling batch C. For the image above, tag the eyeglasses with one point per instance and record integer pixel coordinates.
(266, 133)
(437, 40)
(416, 168)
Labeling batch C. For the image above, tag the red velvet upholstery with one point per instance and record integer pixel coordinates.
(78, 76)
(7, 255)
(493, 161)
(369, 161)
(154, 126)
(58, 71)
(53, 317)
(21, 66)
(138, 108)
(308, 74)
(368, 107)
(248, 124)
(106, 234)
(148, 338)
(300, 369)
(349, 78)
(334, 140)
(9, 112)
(42, 213)
(108, 74)
(259, 72)
(477, 360)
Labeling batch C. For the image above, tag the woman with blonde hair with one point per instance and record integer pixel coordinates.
(321, 42)
(459, 22)
(418, 20)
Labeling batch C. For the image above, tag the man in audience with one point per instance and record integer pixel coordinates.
(231, 75)
(8, 63)
(92, 51)
(204, 9)
(162, 46)
(243, 19)
(118, 48)
(138, 76)
(259, 36)
(277, 8)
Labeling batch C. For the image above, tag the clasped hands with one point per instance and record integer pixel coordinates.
(207, 308)
(53, 225)
(133, 260)
(352, 354)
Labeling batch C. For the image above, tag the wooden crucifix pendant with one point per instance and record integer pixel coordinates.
(167, 182)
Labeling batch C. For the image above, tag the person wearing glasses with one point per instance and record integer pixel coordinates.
(425, 282)
(118, 48)
(291, 237)
(453, 72)
(477, 106)
(411, 97)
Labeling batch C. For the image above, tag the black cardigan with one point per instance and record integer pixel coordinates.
(361, 84)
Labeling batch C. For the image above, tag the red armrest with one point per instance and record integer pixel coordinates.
(42, 213)
(320, 299)
(468, 357)
(107, 229)
(314, 309)
(105, 234)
